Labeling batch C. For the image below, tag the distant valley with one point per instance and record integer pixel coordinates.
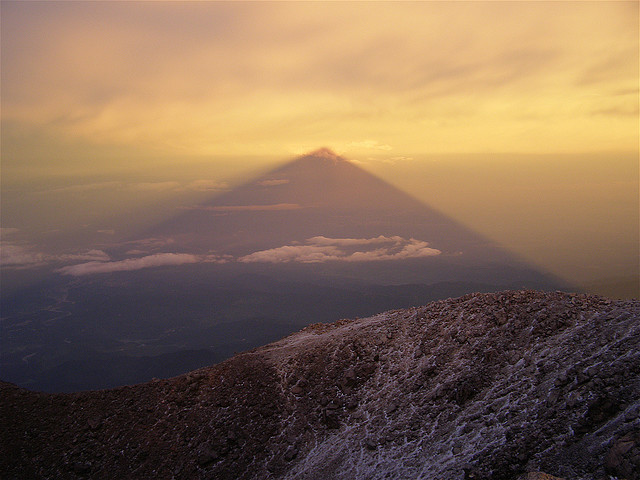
(315, 240)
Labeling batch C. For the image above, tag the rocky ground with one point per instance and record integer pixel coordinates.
(486, 386)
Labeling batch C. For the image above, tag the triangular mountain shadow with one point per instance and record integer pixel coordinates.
(323, 195)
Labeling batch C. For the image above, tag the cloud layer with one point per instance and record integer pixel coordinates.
(156, 260)
(14, 255)
(317, 249)
(324, 249)
(199, 185)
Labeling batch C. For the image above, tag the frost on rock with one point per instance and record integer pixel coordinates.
(486, 386)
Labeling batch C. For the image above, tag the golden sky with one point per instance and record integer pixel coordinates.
(218, 78)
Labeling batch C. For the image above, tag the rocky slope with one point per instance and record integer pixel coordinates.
(486, 386)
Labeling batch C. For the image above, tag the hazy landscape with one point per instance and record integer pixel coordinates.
(315, 240)
(435, 198)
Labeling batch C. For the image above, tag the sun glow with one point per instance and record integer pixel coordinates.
(245, 78)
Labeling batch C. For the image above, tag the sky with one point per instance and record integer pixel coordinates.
(491, 112)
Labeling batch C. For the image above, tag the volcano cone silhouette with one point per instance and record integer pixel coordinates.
(324, 197)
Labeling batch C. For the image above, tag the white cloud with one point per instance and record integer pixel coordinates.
(293, 253)
(18, 256)
(149, 261)
(90, 255)
(324, 249)
(26, 256)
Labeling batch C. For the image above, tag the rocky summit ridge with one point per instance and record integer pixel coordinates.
(485, 386)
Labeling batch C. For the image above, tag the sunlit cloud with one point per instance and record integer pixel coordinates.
(200, 185)
(90, 255)
(83, 187)
(14, 255)
(324, 249)
(204, 185)
(370, 144)
(237, 77)
(130, 264)
(20, 256)
(401, 159)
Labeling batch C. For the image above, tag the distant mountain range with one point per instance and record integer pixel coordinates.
(497, 386)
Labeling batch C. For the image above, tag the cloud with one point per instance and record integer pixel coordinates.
(204, 185)
(83, 187)
(320, 240)
(109, 231)
(294, 253)
(154, 186)
(26, 256)
(199, 185)
(20, 256)
(324, 249)
(98, 261)
(274, 182)
(118, 73)
(370, 144)
(90, 255)
(246, 208)
(156, 260)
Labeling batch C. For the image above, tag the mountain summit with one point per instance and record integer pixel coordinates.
(325, 153)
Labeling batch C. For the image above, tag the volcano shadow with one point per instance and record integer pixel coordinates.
(323, 195)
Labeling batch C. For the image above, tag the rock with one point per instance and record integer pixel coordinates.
(94, 423)
(370, 444)
(351, 403)
(207, 456)
(313, 404)
(622, 458)
(538, 476)
(80, 468)
(291, 453)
